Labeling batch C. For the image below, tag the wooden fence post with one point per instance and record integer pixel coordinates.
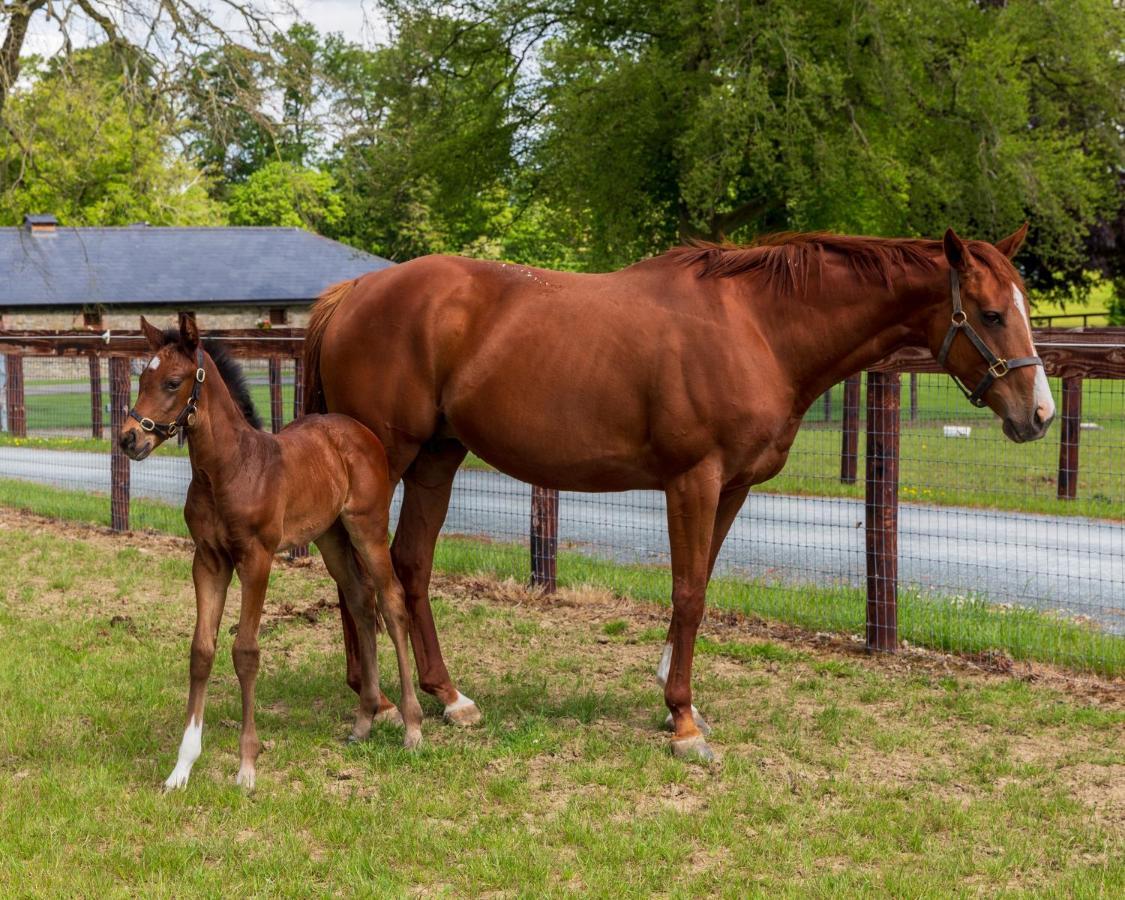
(276, 411)
(544, 538)
(120, 391)
(96, 396)
(1071, 428)
(849, 452)
(17, 411)
(884, 397)
(298, 387)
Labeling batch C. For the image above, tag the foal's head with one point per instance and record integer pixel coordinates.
(988, 343)
(169, 387)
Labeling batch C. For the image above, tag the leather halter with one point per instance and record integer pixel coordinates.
(186, 417)
(997, 367)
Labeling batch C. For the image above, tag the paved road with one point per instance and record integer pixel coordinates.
(1073, 564)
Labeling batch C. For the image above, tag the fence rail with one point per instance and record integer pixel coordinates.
(1092, 359)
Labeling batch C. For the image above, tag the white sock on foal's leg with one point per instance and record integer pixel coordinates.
(190, 748)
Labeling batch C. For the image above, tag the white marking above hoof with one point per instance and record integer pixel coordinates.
(190, 747)
(664, 665)
(462, 711)
(700, 723)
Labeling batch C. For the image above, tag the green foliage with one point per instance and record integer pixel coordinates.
(78, 146)
(283, 193)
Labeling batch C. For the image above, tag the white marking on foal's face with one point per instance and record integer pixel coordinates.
(664, 666)
(1042, 396)
(190, 748)
(154, 363)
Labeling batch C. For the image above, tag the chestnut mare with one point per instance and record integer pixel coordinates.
(252, 494)
(687, 373)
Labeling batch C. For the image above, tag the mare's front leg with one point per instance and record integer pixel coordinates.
(211, 573)
(254, 573)
(730, 502)
(693, 499)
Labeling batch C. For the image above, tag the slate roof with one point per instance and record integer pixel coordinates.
(187, 267)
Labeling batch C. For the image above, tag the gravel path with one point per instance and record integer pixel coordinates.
(1072, 564)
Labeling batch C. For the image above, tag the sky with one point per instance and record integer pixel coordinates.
(353, 18)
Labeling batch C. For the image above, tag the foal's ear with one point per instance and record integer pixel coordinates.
(956, 250)
(1010, 245)
(153, 335)
(189, 331)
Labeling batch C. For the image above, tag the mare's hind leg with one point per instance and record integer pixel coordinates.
(369, 537)
(358, 592)
(730, 502)
(427, 485)
(211, 573)
(254, 573)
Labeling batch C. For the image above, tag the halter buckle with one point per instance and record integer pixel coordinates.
(147, 424)
(200, 375)
(999, 368)
(959, 317)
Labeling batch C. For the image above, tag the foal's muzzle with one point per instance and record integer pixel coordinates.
(133, 448)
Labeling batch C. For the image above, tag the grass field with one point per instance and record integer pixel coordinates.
(966, 625)
(840, 774)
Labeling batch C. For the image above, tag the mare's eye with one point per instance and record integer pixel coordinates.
(991, 318)
(173, 384)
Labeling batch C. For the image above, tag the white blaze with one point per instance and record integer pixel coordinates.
(1042, 397)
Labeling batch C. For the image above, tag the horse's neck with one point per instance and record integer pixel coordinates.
(848, 329)
(220, 429)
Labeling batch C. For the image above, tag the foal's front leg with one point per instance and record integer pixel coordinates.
(254, 573)
(211, 572)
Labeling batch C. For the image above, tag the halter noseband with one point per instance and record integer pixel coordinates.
(997, 367)
(186, 417)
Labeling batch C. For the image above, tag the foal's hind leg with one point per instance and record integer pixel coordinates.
(335, 547)
(211, 573)
(370, 541)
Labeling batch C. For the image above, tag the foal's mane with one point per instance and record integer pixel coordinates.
(231, 372)
(784, 260)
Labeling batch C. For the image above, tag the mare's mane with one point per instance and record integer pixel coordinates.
(784, 261)
(231, 372)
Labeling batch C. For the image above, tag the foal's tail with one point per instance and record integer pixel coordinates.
(319, 318)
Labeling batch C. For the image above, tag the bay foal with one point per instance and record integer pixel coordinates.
(323, 479)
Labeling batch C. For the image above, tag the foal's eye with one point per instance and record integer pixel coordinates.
(173, 384)
(992, 318)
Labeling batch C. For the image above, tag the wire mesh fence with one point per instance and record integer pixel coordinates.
(992, 556)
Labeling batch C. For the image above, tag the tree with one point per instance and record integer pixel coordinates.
(282, 193)
(78, 148)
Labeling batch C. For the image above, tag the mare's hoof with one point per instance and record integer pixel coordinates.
(413, 739)
(354, 738)
(389, 716)
(245, 778)
(693, 749)
(700, 723)
(462, 712)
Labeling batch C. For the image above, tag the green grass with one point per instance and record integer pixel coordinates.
(840, 776)
(963, 624)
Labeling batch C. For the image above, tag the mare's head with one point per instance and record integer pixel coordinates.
(168, 390)
(988, 343)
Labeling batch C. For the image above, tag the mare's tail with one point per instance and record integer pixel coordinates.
(319, 318)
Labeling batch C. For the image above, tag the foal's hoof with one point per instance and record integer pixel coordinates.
(700, 723)
(389, 716)
(693, 749)
(462, 712)
(413, 739)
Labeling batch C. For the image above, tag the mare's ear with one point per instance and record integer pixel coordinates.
(1010, 245)
(189, 331)
(153, 335)
(956, 251)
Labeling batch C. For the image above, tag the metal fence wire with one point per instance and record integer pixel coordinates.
(998, 549)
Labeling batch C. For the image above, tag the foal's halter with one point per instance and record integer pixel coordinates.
(997, 367)
(187, 414)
